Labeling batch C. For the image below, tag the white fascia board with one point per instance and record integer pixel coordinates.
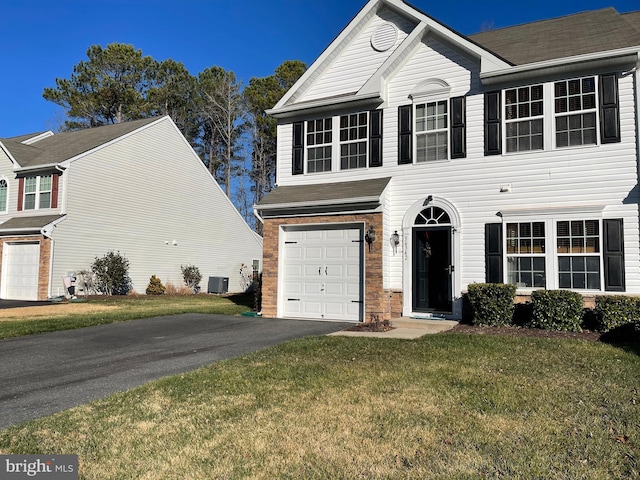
(318, 203)
(599, 59)
(325, 103)
(515, 213)
(38, 168)
(357, 21)
(67, 162)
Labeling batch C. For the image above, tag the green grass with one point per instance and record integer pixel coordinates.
(118, 309)
(447, 406)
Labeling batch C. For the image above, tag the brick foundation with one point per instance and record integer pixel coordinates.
(378, 302)
(44, 263)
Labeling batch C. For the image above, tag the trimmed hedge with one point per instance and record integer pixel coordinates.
(557, 310)
(613, 311)
(491, 303)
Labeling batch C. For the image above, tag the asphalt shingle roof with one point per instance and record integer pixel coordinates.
(34, 222)
(63, 146)
(325, 192)
(578, 34)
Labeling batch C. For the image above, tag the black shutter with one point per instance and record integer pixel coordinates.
(405, 134)
(493, 252)
(609, 109)
(492, 123)
(613, 255)
(458, 128)
(375, 138)
(298, 149)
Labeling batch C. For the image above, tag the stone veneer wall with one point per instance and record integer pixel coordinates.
(45, 261)
(378, 302)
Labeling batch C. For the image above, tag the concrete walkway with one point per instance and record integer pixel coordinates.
(405, 327)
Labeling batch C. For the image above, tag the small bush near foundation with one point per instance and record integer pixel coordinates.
(111, 274)
(491, 303)
(557, 310)
(191, 276)
(155, 286)
(613, 311)
(171, 289)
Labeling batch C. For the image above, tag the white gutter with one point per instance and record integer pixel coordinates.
(318, 203)
(324, 103)
(611, 58)
(47, 230)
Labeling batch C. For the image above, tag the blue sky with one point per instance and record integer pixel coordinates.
(42, 40)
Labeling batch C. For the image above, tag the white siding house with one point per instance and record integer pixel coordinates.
(137, 188)
(507, 156)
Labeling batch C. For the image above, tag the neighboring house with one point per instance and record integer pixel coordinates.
(507, 156)
(136, 187)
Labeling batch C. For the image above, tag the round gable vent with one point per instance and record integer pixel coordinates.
(384, 37)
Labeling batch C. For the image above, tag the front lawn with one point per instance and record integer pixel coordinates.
(52, 317)
(445, 406)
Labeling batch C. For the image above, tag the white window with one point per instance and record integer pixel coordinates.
(319, 145)
(4, 195)
(353, 140)
(578, 249)
(432, 131)
(526, 254)
(524, 125)
(37, 192)
(574, 260)
(575, 112)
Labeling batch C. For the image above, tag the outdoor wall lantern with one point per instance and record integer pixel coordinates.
(395, 241)
(370, 236)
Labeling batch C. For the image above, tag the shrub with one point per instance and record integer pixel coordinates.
(557, 310)
(491, 303)
(171, 289)
(112, 274)
(191, 276)
(155, 286)
(613, 311)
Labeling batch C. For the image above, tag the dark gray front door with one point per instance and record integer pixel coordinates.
(432, 269)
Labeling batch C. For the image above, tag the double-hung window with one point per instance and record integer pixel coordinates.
(354, 133)
(432, 131)
(38, 192)
(578, 249)
(319, 145)
(575, 112)
(524, 110)
(526, 254)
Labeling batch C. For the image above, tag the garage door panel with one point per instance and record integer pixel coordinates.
(327, 265)
(20, 270)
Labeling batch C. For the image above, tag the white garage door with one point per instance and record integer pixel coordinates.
(323, 274)
(20, 263)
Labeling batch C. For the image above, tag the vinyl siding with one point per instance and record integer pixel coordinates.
(140, 194)
(359, 59)
(604, 175)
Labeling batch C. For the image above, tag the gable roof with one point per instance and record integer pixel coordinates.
(569, 36)
(57, 148)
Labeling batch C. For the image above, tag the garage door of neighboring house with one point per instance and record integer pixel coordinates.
(323, 274)
(20, 262)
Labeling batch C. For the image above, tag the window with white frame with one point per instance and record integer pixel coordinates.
(4, 195)
(524, 125)
(432, 131)
(578, 250)
(353, 140)
(319, 145)
(37, 192)
(575, 112)
(526, 254)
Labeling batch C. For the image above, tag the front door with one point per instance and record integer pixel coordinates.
(432, 269)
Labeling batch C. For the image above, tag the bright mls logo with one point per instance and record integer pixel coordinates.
(49, 467)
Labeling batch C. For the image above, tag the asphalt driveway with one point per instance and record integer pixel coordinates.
(47, 373)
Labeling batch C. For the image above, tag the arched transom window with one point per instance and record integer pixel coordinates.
(433, 216)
